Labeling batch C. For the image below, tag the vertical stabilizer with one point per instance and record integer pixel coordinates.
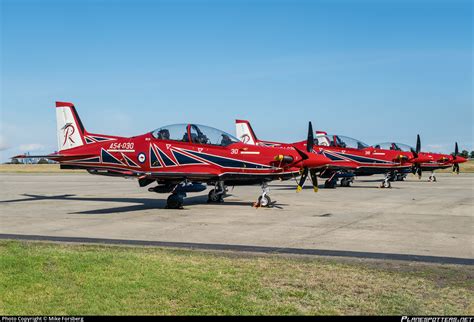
(70, 130)
(245, 133)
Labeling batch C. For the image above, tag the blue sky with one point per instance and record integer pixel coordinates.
(374, 70)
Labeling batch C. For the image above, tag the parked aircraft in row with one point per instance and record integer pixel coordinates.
(177, 158)
(435, 161)
(183, 158)
(351, 157)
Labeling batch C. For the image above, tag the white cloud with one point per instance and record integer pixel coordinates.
(31, 147)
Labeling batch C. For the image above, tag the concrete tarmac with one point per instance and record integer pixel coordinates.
(415, 217)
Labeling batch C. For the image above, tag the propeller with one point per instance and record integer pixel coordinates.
(310, 140)
(306, 170)
(416, 168)
(456, 152)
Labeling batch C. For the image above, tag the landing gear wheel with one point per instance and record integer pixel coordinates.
(174, 201)
(385, 184)
(264, 201)
(214, 197)
(346, 182)
(432, 179)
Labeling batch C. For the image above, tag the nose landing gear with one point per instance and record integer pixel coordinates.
(264, 200)
(432, 177)
(386, 182)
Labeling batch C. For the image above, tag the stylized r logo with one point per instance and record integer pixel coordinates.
(69, 130)
(245, 138)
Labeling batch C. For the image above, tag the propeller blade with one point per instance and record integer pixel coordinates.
(414, 169)
(418, 144)
(415, 155)
(419, 172)
(314, 179)
(310, 141)
(304, 175)
(456, 149)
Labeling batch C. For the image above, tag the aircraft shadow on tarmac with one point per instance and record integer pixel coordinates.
(141, 203)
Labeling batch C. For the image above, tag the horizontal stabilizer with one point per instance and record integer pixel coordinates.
(54, 156)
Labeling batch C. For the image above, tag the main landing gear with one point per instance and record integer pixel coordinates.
(216, 195)
(346, 182)
(175, 201)
(178, 192)
(264, 200)
(332, 181)
(401, 176)
(398, 177)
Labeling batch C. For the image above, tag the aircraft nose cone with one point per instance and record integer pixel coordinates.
(459, 160)
(316, 160)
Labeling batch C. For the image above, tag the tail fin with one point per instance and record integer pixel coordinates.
(245, 132)
(70, 130)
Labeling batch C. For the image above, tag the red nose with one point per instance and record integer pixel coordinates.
(459, 160)
(315, 160)
(421, 159)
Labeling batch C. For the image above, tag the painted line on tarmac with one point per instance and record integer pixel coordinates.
(246, 248)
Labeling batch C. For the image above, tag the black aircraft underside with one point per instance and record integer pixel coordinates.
(229, 178)
(435, 167)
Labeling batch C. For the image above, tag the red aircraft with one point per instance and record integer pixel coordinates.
(179, 158)
(349, 157)
(434, 161)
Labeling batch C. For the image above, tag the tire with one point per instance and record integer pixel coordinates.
(213, 197)
(386, 184)
(346, 182)
(174, 201)
(264, 201)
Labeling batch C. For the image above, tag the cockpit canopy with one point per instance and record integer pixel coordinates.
(393, 146)
(194, 133)
(339, 141)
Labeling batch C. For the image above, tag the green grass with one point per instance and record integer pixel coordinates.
(54, 279)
